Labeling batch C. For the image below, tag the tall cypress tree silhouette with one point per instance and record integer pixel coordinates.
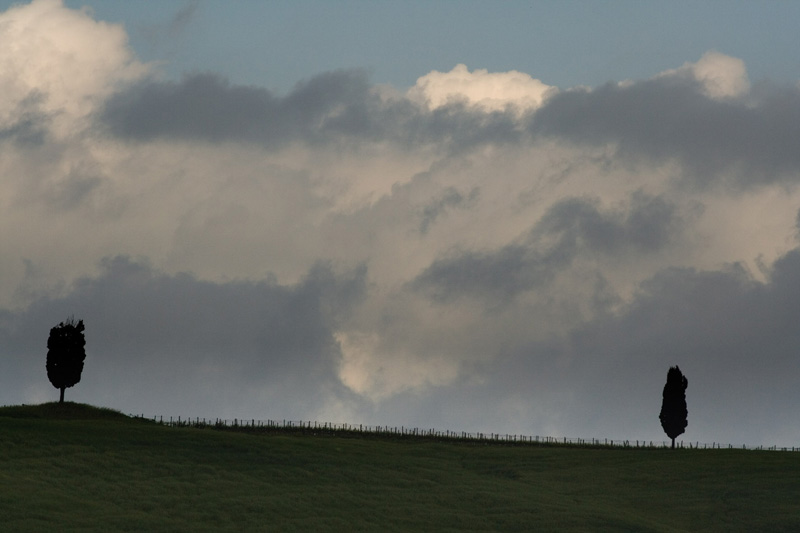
(65, 354)
(673, 405)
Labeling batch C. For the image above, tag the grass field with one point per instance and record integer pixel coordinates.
(77, 468)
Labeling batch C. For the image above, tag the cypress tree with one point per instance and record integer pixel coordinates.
(673, 405)
(65, 354)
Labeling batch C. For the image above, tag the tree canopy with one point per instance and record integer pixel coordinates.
(674, 414)
(65, 354)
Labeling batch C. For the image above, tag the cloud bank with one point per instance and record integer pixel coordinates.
(481, 251)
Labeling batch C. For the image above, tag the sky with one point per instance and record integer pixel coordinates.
(470, 216)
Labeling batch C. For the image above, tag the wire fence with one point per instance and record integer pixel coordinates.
(329, 429)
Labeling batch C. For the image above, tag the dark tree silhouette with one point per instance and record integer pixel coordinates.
(673, 405)
(65, 354)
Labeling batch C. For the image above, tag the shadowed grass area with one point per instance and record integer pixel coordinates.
(60, 411)
(89, 469)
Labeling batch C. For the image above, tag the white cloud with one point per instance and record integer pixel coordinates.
(62, 58)
(369, 371)
(721, 76)
(490, 91)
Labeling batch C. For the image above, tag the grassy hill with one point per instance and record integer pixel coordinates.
(77, 468)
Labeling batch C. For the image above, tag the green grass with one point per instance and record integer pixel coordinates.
(77, 468)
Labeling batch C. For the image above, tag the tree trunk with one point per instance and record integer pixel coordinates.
(61, 400)
(673, 440)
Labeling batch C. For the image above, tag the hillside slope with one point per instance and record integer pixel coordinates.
(91, 469)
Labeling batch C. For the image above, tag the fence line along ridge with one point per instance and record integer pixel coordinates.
(337, 429)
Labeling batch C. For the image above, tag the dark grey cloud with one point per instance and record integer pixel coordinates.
(670, 118)
(183, 341)
(458, 127)
(498, 275)
(332, 107)
(570, 227)
(72, 191)
(647, 224)
(207, 107)
(450, 198)
(735, 338)
(29, 130)
(31, 123)
(753, 139)
(202, 106)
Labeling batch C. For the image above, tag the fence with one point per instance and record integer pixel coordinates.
(401, 432)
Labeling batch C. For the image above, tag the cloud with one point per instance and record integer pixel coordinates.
(692, 119)
(721, 77)
(570, 227)
(449, 199)
(734, 337)
(338, 107)
(39, 44)
(647, 225)
(206, 107)
(26, 124)
(488, 91)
